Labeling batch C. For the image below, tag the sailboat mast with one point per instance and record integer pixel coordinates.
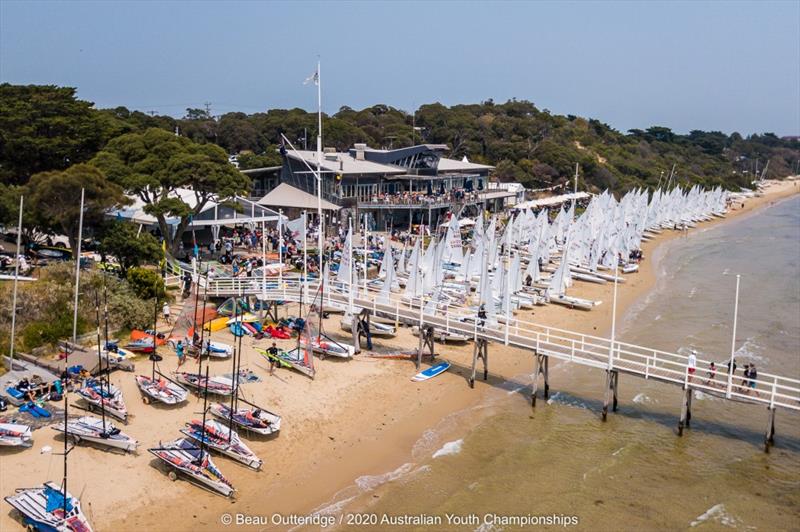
(203, 319)
(196, 301)
(74, 342)
(105, 309)
(205, 410)
(16, 282)
(155, 323)
(235, 354)
(100, 359)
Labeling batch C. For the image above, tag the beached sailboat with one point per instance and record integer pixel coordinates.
(217, 384)
(184, 456)
(222, 439)
(47, 507)
(15, 435)
(105, 397)
(252, 419)
(161, 389)
(97, 430)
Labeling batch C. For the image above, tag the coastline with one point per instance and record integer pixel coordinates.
(357, 419)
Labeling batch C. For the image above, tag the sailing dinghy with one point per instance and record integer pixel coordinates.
(254, 419)
(43, 509)
(217, 385)
(15, 435)
(104, 396)
(92, 429)
(219, 437)
(162, 390)
(186, 457)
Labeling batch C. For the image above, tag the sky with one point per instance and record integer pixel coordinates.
(728, 66)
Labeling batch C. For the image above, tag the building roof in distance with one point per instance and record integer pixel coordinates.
(343, 163)
(287, 196)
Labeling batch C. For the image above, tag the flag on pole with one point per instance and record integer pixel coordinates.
(314, 77)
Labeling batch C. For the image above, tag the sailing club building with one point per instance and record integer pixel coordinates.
(395, 188)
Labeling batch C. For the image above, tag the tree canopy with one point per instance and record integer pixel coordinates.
(53, 200)
(155, 164)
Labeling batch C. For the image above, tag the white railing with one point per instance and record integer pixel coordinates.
(588, 350)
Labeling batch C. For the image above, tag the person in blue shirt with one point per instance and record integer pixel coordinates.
(180, 352)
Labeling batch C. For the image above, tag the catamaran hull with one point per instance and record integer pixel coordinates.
(273, 421)
(172, 455)
(32, 504)
(174, 394)
(91, 431)
(15, 435)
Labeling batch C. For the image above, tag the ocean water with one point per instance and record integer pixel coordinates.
(560, 464)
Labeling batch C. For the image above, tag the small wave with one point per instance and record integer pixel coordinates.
(642, 398)
(370, 482)
(615, 453)
(716, 513)
(451, 447)
(749, 350)
(700, 396)
(692, 292)
(658, 317)
(517, 389)
(333, 508)
(561, 399)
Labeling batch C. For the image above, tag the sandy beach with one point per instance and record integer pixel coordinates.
(356, 419)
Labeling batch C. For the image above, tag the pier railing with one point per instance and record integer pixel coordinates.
(587, 350)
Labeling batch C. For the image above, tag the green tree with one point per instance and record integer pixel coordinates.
(54, 198)
(44, 127)
(146, 284)
(130, 247)
(155, 165)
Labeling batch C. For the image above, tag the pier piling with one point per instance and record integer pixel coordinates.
(481, 351)
(425, 343)
(541, 364)
(769, 436)
(610, 396)
(686, 410)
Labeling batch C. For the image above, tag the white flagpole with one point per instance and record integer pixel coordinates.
(16, 280)
(351, 266)
(263, 265)
(77, 274)
(280, 247)
(733, 340)
(319, 163)
(305, 260)
(366, 238)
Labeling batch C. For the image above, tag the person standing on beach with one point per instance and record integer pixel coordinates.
(180, 352)
(166, 312)
(273, 358)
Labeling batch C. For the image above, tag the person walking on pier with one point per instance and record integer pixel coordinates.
(482, 314)
(712, 373)
(692, 364)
